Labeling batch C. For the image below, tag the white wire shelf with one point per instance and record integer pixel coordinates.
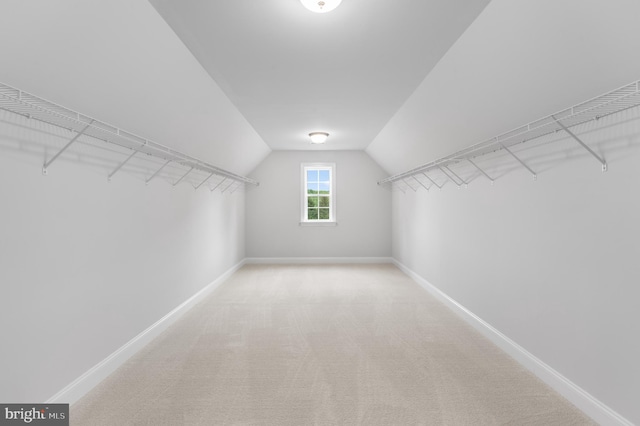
(618, 100)
(30, 106)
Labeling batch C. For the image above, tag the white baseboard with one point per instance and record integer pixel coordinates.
(577, 396)
(316, 260)
(83, 384)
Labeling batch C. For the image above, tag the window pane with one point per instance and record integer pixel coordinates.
(318, 190)
(312, 188)
(324, 188)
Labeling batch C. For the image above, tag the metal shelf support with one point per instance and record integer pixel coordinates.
(235, 189)
(201, 183)
(432, 181)
(228, 186)
(423, 185)
(219, 183)
(407, 183)
(75, 138)
(183, 176)
(122, 164)
(535, 176)
(480, 170)
(584, 145)
(449, 177)
(458, 177)
(157, 172)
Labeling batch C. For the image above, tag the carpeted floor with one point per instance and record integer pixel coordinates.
(322, 345)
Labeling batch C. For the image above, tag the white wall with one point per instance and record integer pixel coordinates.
(363, 208)
(86, 265)
(551, 264)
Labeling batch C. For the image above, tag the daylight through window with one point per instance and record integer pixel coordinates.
(318, 190)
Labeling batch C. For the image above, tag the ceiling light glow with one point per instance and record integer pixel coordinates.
(321, 6)
(318, 137)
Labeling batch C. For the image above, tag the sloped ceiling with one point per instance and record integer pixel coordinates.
(519, 61)
(407, 80)
(119, 61)
(290, 71)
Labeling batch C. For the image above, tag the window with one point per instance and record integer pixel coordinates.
(318, 194)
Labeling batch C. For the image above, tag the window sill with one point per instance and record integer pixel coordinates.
(318, 223)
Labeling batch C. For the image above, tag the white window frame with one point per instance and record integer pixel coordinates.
(304, 220)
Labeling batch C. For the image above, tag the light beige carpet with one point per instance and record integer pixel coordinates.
(322, 345)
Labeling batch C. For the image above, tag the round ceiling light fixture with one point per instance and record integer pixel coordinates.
(318, 137)
(321, 6)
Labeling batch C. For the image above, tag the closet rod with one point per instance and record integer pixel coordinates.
(33, 107)
(618, 100)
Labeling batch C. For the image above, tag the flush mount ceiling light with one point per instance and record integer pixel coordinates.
(318, 137)
(321, 6)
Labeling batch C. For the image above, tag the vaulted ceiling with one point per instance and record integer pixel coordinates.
(230, 80)
(290, 71)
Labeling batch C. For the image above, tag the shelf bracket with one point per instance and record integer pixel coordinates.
(458, 177)
(157, 172)
(449, 177)
(535, 176)
(75, 138)
(219, 183)
(423, 185)
(183, 176)
(407, 183)
(201, 183)
(236, 188)
(432, 181)
(121, 164)
(227, 187)
(584, 145)
(481, 171)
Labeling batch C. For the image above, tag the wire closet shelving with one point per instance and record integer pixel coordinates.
(618, 100)
(33, 107)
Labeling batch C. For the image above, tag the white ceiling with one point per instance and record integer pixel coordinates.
(290, 71)
(120, 62)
